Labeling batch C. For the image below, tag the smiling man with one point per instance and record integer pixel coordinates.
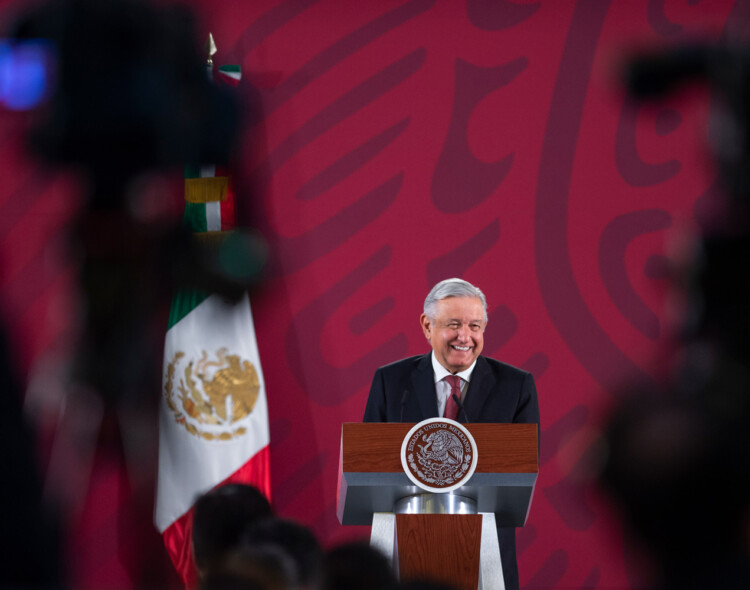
(433, 384)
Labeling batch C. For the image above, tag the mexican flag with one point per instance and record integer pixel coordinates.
(213, 426)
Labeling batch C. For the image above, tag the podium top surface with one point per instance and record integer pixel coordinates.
(372, 478)
(376, 447)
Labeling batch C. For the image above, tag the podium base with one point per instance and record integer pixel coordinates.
(386, 535)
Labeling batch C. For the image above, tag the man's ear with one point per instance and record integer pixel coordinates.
(426, 324)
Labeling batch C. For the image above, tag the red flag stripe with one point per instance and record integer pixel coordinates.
(255, 472)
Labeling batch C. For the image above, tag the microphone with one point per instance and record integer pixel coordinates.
(404, 397)
(457, 400)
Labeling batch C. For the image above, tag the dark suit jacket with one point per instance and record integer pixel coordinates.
(404, 391)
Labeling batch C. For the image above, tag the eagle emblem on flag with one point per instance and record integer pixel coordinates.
(210, 395)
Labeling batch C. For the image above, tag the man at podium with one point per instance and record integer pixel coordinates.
(455, 381)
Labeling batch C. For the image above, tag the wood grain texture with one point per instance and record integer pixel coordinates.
(440, 547)
(501, 448)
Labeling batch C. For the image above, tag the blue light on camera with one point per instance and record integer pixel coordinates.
(25, 74)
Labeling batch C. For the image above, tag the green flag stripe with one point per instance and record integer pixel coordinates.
(192, 171)
(194, 220)
(185, 301)
(194, 217)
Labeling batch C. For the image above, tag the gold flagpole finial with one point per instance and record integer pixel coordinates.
(210, 49)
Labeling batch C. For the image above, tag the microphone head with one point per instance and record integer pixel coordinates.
(404, 397)
(460, 405)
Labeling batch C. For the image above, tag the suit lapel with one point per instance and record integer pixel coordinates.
(423, 381)
(481, 386)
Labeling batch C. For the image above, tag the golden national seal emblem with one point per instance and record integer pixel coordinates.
(439, 455)
(211, 396)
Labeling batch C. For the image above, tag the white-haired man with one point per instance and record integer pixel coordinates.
(418, 387)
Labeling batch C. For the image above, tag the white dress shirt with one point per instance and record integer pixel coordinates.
(443, 388)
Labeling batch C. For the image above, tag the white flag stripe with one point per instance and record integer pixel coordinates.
(213, 216)
(213, 209)
(188, 464)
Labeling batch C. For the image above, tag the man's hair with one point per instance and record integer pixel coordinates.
(356, 564)
(452, 288)
(295, 540)
(220, 518)
(258, 567)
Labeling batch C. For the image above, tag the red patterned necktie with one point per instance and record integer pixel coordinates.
(451, 407)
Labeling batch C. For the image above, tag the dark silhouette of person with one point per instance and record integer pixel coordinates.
(220, 518)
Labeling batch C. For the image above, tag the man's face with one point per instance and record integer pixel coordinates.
(456, 333)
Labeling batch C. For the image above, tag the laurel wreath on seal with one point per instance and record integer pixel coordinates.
(198, 401)
(438, 476)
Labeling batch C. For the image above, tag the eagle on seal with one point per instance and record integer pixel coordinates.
(442, 447)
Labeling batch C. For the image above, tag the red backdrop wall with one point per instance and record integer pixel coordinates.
(406, 141)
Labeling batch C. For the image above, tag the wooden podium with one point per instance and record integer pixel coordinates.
(448, 537)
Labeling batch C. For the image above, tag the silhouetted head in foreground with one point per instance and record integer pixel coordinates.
(220, 520)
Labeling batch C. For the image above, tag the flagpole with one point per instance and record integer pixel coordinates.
(211, 51)
(214, 415)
